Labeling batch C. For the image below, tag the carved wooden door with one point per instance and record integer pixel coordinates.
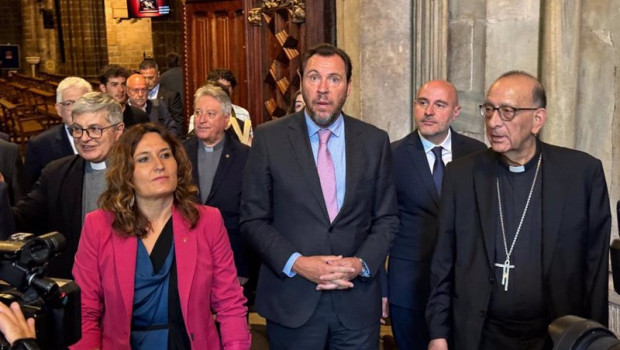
(214, 33)
(281, 30)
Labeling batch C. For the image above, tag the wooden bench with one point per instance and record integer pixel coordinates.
(20, 122)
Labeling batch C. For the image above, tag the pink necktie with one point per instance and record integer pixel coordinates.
(327, 174)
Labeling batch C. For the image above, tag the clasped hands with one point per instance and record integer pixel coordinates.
(329, 272)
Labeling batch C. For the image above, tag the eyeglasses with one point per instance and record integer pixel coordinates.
(67, 103)
(506, 113)
(94, 132)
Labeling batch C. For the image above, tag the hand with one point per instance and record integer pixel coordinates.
(352, 262)
(1, 178)
(438, 344)
(13, 325)
(313, 268)
(385, 311)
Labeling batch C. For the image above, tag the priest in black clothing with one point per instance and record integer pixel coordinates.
(524, 232)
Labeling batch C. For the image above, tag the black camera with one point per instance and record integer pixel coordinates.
(576, 333)
(53, 303)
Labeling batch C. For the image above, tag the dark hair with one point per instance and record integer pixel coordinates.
(148, 63)
(173, 59)
(291, 105)
(119, 197)
(326, 50)
(220, 85)
(112, 71)
(539, 97)
(222, 73)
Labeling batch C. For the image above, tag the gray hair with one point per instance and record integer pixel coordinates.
(94, 102)
(72, 82)
(217, 93)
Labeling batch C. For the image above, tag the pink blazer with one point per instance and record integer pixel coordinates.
(105, 266)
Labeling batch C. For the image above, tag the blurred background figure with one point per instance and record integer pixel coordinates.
(172, 79)
(297, 103)
(144, 283)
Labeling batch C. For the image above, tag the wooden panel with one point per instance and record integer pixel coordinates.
(215, 38)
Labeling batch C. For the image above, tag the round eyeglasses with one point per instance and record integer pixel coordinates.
(506, 113)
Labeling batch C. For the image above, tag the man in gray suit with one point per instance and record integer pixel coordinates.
(319, 207)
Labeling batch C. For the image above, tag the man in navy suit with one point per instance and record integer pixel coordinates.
(319, 206)
(56, 142)
(435, 108)
(218, 162)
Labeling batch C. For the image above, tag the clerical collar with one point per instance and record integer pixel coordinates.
(219, 145)
(522, 168)
(97, 166)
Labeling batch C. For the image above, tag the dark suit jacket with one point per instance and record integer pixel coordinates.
(133, 116)
(173, 100)
(576, 226)
(7, 223)
(158, 113)
(226, 192)
(50, 145)
(172, 80)
(55, 204)
(283, 212)
(11, 167)
(418, 207)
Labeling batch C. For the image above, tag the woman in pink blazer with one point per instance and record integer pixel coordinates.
(153, 265)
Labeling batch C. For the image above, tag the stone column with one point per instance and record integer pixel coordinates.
(379, 44)
(560, 68)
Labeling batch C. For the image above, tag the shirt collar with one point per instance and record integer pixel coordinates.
(446, 144)
(336, 127)
(153, 93)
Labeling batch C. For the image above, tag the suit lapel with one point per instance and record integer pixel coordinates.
(485, 177)
(554, 190)
(74, 180)
(223, 166)
(420, 164)
(125, 252)
(354, 151)
(300, 144)
(186, 253)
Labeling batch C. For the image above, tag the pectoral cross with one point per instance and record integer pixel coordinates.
(505, 272)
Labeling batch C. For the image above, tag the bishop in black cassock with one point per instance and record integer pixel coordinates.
(523, 234)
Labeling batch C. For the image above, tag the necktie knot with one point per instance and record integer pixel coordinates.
(324, 135)
(437, 152)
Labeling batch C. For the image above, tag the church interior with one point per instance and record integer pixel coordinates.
(395, 46)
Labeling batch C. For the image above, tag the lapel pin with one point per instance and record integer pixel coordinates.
(227, 155)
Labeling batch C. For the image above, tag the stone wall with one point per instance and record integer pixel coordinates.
(129, 40)
(11, 32)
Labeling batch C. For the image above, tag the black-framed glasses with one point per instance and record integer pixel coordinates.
(506, 113)
(94, 132)
(67, 103)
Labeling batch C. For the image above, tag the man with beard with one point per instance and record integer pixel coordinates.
(319, 207)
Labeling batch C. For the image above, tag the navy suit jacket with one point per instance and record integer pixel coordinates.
(576, 225)
(226, 193)
(283, 212)
(418, 207)
(50, 145)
